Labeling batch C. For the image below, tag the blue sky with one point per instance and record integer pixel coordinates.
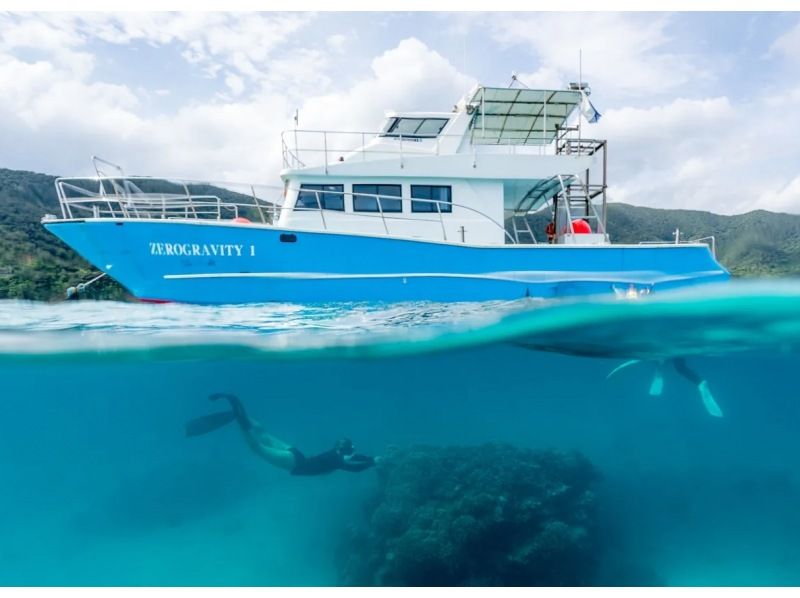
(701, 110)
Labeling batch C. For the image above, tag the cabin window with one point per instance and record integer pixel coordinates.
(415, 127)
(331, 197)
(369, 203)
(436, 193)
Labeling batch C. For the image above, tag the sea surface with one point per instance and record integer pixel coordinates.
(100, 486)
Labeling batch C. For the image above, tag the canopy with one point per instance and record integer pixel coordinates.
(520, 116)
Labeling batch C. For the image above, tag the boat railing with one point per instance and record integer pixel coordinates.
(578, 147)
(709, 240)
(301, 148)
(147, 197)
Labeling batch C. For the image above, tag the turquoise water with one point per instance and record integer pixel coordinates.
(100, 486)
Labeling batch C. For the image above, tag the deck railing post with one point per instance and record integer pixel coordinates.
(605, 172)
(296, 148)
(325, 144)
(321, 212)
(441, 220)
(380, 209)
(258, 205)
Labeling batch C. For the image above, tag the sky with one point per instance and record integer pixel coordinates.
(700, 110)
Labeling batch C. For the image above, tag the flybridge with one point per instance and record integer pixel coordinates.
(526, 121)
(520, 116)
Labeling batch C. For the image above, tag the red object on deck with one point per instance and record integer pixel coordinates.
(581, 227)
(242, 220)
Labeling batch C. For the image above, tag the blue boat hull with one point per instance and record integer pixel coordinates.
(214, 263)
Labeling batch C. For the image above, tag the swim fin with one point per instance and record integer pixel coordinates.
(708, 400)
(622, 367)
(209, 423)
(657, 385)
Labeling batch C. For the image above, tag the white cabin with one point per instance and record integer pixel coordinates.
(466, 176)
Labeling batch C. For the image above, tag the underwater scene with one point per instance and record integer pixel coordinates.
(637, 442)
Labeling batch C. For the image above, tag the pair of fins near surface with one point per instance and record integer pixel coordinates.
(657, 386)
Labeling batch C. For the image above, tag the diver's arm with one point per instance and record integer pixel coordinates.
(357, 463)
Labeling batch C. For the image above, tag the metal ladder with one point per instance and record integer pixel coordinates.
(521, 230)
(577, 199)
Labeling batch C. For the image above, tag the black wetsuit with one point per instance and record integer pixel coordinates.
(679, 363)
(328, 462)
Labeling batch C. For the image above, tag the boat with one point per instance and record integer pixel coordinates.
(502, 197)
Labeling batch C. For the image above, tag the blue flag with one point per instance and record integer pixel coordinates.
(588, 110)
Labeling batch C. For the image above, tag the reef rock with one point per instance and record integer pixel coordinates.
(483, 515)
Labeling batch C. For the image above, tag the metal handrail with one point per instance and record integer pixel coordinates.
(712, 245)
(566, 204)
(703, 240)
(291, 148)
(129, 201)
(142, 204)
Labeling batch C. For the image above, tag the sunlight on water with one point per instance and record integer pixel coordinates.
(101, 486)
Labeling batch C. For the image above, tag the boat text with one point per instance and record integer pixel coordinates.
(201, 249)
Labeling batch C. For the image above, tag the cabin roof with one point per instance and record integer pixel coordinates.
(519, 116)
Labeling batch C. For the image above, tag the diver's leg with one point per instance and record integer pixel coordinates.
(657, 383)
(702, 386)
(283, 458)
(679, 363)
(272, 449)
(261, 436)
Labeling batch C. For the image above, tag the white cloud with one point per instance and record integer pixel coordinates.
(47, 109)
(544, 78)
(408, 77)
(783, 199)
(706, 154)
(232, 43)
(235, 84)
(788, 44)
(718, 153)
(337, 42)
(622, 52)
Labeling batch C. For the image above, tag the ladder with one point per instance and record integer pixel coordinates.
(523, 229)
(577, 200)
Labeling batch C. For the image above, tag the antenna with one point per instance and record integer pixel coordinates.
(580, 86)
(296, 117)
(515, 79)
(464, 53)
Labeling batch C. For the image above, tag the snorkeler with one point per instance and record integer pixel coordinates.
(278, 453)
(680, 365)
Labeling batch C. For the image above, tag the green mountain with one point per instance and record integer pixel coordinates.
(36, 265)
(758, 243)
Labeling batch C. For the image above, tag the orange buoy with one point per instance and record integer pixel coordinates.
(242, 220)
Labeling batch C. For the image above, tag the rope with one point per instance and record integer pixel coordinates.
(74, 292)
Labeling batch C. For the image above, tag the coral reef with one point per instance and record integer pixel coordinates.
(485, 515)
